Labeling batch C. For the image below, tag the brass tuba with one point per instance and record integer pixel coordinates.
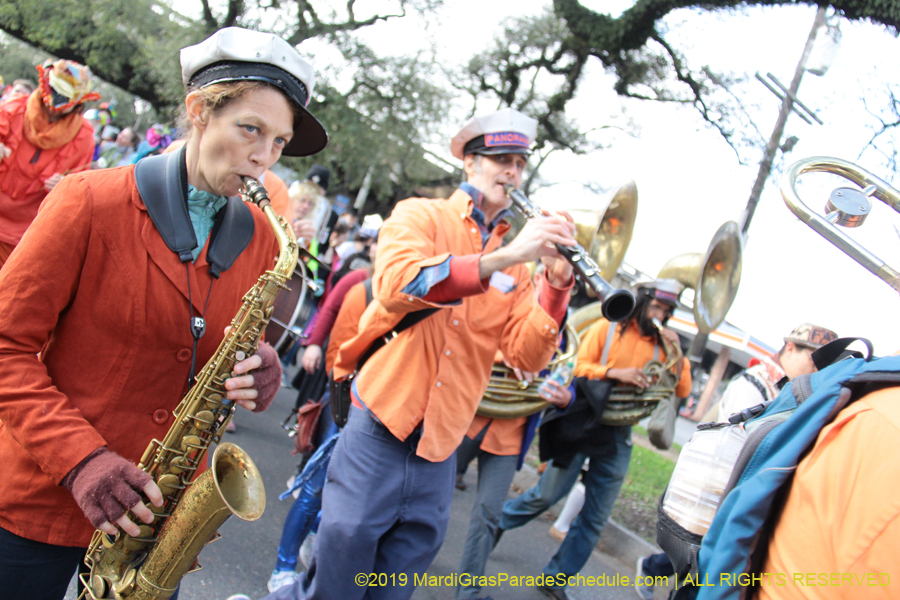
(150, 566)
(607, 238)
(507, 397)
(714, 276)
(847, 207)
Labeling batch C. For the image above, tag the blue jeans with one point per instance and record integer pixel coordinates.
(602, 483)
(301, 519)
(495, 474)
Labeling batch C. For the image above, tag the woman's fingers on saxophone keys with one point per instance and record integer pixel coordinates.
(107, 527)
(127, 525)
(248, 364)
(240, 387)
(143, 513)
(154, 495)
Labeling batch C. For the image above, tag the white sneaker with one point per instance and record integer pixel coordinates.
(279, 579)
(238, 597)
(306, 549)
(644, 590)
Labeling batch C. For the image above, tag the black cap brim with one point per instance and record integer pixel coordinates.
(501, 150)
(309, 137)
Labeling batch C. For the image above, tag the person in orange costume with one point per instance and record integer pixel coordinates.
(390, 481)
(102, 309)
(43, 136)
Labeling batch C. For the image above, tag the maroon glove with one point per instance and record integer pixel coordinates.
(267, 378)
(105, 486)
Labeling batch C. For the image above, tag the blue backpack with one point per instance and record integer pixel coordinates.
(777, 441)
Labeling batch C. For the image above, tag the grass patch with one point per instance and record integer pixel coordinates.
(647, 478)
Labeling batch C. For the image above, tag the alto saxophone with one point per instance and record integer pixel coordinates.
(150, 566)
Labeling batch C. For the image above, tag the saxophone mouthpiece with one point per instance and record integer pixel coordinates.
(255, 191)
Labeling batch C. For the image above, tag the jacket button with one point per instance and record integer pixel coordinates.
(160, 416)
(183, 355)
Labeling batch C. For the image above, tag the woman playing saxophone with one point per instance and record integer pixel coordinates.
(120, 292)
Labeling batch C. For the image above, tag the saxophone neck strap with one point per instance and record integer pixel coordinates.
(162, 183)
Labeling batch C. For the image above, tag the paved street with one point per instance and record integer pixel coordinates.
(243, 559)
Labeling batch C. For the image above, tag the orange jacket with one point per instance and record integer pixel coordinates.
(630, 349)
(21, 180)
(436, 372)
(93, 288)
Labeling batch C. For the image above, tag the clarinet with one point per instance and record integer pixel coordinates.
(616, 304)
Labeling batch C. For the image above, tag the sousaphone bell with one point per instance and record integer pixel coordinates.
(714, 276)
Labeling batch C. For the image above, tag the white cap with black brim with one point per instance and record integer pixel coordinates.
(236, 54)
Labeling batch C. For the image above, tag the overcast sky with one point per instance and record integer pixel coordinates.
(689, 180)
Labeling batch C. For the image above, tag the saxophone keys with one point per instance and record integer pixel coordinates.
(203, 419)
(179, 465)
(99, 586)
(126, 585)
(191, 443)
(168, 483)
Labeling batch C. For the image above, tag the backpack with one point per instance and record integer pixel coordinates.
(777, 439)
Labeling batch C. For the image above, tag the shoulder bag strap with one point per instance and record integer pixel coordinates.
(610, 336)
(405, 323)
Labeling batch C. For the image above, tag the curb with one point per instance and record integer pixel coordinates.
(616, 541)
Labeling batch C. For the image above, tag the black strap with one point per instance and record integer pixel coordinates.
(236, 226)
(757, 383)
(162, 183)
(836, 351)
(405, 323)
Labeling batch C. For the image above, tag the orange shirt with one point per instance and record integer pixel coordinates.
(842, 515)
(436, 372)
(503, 437)
(629, 349)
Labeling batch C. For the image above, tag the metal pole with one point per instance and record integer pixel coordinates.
(765, 166)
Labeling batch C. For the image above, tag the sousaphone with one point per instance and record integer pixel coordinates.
(606, 237)
(714, 276)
